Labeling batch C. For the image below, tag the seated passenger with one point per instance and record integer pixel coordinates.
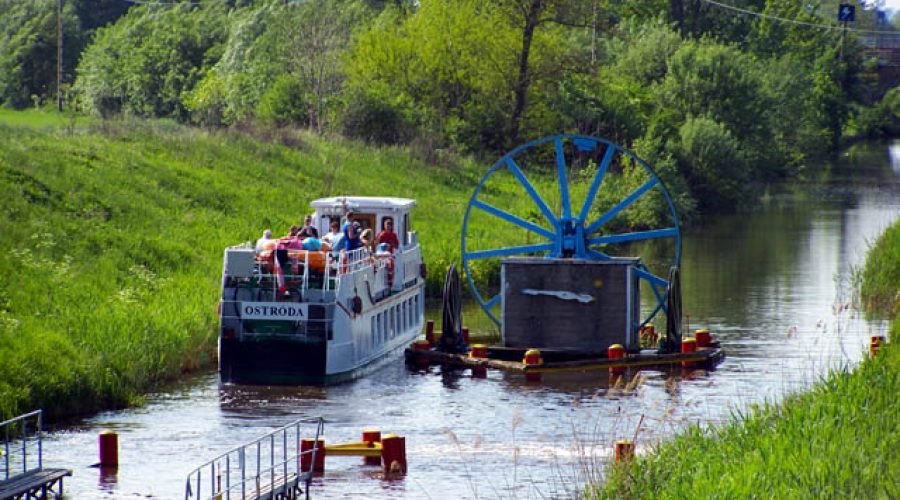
(366, 239)
(334, 233)
(387, 234)
(266, 242)
(312, 244)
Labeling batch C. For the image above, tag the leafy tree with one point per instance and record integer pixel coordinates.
(150, 58)
(28, 50)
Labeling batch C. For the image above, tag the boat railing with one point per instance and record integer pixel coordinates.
(268, 467)
(22, 444)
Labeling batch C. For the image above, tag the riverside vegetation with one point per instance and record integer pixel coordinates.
(838, 440)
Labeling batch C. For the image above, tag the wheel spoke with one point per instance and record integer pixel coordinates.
(504, 252)
(653, 279)
(595, 185)
(493, 302)
(598, 255)
(514, 219)
(563, 179)
(622, 205)
(511, 164)
(639, 235)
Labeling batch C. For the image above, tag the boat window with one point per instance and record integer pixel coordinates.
(366, 221)
(404, 234)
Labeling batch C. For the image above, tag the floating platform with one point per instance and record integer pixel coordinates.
(564, 360)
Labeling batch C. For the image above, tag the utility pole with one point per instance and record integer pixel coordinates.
(59, 55)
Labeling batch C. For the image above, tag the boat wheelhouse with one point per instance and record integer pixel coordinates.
(292, 316)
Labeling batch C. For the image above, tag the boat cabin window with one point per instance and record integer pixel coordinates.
(404, 231)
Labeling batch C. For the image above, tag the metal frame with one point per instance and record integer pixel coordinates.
(570, 235)
(6, 426)
(239, 483)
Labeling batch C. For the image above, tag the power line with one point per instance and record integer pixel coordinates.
(800, 23)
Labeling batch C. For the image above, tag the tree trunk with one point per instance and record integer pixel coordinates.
(677, 13)
(532, 16)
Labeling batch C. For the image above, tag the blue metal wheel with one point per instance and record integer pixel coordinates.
(583, 198)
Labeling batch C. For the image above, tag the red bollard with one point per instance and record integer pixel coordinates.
(616, 352)
(532, 357)
(421, 345)
(465, 335)
(307, 445)
(702, 337)
(371, 436)
(688, 345)
(429, 331)
(109, 448)
(393, 455)
(624, 450)
(875, 344)
(479, 351)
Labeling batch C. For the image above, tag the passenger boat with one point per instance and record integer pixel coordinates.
(305, 316)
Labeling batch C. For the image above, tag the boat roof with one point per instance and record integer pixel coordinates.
(361, 203)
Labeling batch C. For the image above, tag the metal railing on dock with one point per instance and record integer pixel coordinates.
(24, 475)
(267, 468)
(17, 442)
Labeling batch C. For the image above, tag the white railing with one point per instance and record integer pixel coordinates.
(18, 437)
(269, 467)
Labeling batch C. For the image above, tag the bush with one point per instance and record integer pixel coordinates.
(713, 162)
(372, 117)
(284, 103)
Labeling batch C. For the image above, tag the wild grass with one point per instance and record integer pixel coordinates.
(112, 233)
(838, 440)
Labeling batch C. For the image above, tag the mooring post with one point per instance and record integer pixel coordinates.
(371, 436)
(478, 351)
(393, 455)
(109, 448)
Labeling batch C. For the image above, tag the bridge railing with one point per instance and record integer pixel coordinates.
(269, 467)
(22, 444)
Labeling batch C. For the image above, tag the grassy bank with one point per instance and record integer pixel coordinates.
(838, 440)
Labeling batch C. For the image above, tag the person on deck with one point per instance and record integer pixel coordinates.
(333, 236)
(266, 242)
(387, 235)
(308, 230)
(351, 231)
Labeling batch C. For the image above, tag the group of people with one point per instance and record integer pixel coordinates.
(348, 237)
(351, 235)
(299, 238)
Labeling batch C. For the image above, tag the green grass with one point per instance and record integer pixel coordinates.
(838, 440)
(113, 233)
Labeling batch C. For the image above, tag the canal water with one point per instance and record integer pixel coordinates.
(774, 286)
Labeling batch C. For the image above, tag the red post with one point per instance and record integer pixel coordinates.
(465, 335)
(478, 351)
(429, 331)
(688, 345)
(371, 436)
(109, 449)
(624, 450)
(307, 445)
(421, 359)
(703, 338)
(616, 352)
(532, 358)
(393, 455)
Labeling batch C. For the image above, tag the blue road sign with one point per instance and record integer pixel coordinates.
(846, 13)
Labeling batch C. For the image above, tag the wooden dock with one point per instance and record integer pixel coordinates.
(34, 484)
(566, 361)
